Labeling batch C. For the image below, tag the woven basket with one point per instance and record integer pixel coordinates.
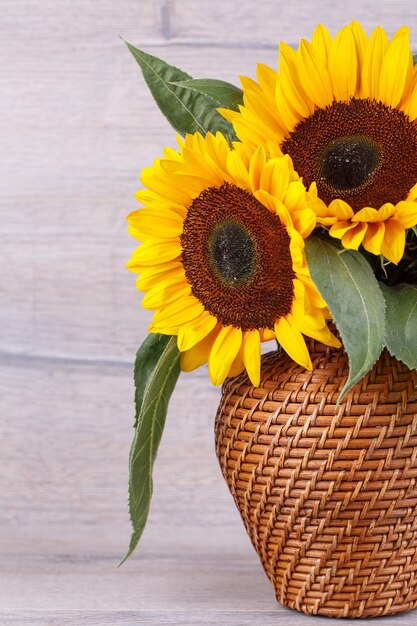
(328, 494)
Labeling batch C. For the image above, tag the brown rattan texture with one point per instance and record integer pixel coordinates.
(328, 494)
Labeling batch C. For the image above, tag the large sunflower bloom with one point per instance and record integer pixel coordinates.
(222, 255)
(345, 110)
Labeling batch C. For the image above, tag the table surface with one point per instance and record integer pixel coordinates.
(77, 125)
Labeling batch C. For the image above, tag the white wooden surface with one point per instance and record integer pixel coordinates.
(77, 124)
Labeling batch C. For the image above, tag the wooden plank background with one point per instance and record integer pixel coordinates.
(77, 125)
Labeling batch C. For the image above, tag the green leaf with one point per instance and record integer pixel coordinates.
(351, 291)
(187, 110)
(401, 322)
(223, 94)
(157, 368)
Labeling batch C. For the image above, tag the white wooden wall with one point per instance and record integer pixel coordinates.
(77, 125)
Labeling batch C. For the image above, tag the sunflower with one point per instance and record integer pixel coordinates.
(222, 255)
(345, 110)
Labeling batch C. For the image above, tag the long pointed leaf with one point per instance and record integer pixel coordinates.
(157, 368)
(223, 94)
(401, 322)
(351, 291)
(188, 111)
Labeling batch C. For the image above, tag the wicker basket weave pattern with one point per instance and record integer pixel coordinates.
(327, 493)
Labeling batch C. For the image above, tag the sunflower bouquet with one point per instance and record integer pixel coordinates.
(288, 204)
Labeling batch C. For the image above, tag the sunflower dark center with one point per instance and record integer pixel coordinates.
(361, 151)
(232, 253)
(349, 162)
(236, 256)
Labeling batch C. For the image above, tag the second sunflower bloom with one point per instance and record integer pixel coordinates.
(344, 109)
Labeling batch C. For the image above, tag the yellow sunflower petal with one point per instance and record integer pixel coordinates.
(252, 355)
(172, 271)
(291, 340)
(304, 221)
(306, 322)
(367, 214)
(154, 252)
(396, 69)
(254, 97)
(275, 177)
(198, 355)
(177, 313)
(361, 41)
(151, 199)
(223, 353)
(297, 250)
(339, 229)
(328, 338)
(266, 334)
(353, 238)
(314, 75)
(238, 170)
(406, 213)
(341, 209)
(267, 78)
(164, 293)
(374, 237)
(237, 366)
(196, 184)
(343, 65)
(192, 333)
(314, 296)
(296, 197)
(320, 208)
(411, 106)
(256, 166)
(313, 327)
(290, 83)
(152, 223)
(372, 63)
(269, 117)
(387, 210)
(322, 42)
(393, 244)
(170, 153)
(199, 165)
(412, 195)
(300, 293)
(288, 114)
(249, 131)
(162, 183)
(228, 114)
(275, 206)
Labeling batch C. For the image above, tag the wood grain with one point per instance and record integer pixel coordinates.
(243, 24)
(280, 617)
(77, 125)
